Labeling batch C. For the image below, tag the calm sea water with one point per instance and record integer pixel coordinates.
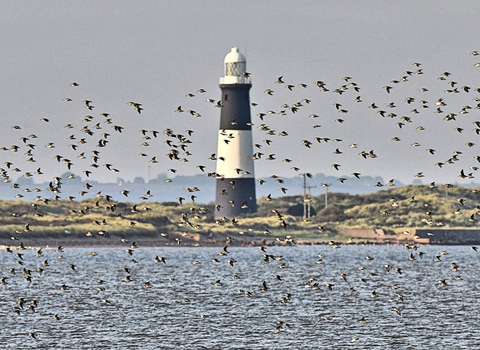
(128, 316)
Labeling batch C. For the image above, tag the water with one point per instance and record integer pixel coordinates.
(134, 317)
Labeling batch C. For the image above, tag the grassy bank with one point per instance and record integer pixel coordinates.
(395, 210)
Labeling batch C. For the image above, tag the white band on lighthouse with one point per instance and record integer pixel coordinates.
(232, 79)
(237, 154)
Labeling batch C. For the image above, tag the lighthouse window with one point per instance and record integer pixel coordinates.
(234, 68)
(226, 97)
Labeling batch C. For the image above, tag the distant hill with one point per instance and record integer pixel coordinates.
(169, 191)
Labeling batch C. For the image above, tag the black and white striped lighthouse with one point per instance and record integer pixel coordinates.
(236, 177)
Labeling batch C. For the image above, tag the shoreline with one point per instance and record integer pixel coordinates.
(141, 242)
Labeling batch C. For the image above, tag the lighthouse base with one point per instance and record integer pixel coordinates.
(235, 196)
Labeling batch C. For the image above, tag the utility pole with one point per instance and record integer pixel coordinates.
(447, 186)
(306, 197)
(309, 200)
(326, 193)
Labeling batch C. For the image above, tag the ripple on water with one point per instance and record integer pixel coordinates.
(127, 315)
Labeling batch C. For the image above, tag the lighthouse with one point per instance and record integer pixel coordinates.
(235, 187)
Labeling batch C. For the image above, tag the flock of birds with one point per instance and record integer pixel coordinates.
(388, 280)
(179, 144)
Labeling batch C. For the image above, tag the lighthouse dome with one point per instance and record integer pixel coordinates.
(234, 56)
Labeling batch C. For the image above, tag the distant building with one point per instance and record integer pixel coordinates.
(448, 236)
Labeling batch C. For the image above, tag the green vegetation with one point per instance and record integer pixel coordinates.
(394, 210)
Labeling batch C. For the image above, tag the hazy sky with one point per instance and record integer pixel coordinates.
(156, 52)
